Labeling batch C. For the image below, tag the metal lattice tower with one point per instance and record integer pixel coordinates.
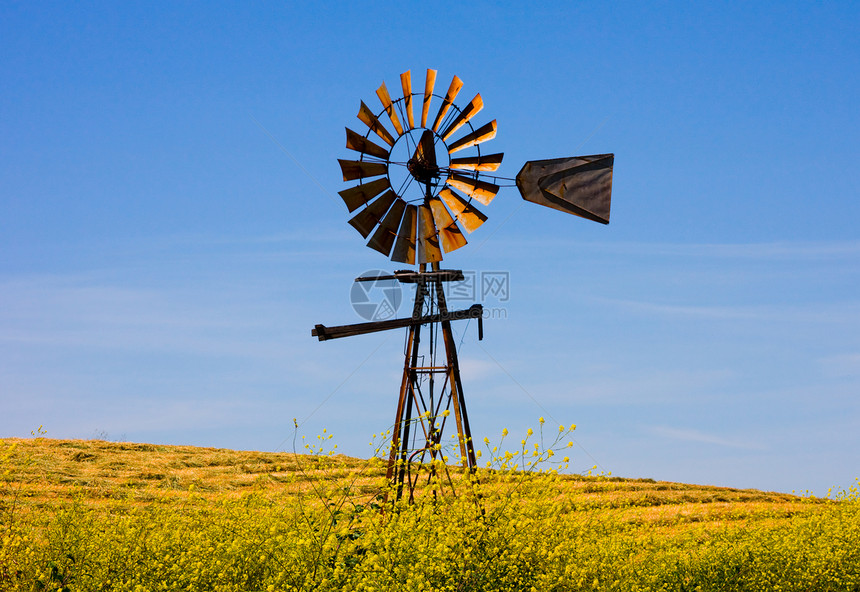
(414, 198)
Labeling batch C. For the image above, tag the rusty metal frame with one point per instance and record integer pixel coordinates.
(408, 451)
(577, 185)
(427, 390)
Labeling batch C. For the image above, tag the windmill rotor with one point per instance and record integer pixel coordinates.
(412, 197)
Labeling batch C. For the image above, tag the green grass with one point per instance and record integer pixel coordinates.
(95, 515)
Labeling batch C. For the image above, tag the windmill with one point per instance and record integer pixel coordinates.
(417, 190)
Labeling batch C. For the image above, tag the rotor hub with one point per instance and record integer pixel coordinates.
(423, 171)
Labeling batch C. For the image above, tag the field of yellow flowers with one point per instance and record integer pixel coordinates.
(98, 516)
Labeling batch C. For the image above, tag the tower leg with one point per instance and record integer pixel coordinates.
(403, 417)
(464, 431)
(408, 452)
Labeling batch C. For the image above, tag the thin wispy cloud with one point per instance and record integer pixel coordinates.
(475, 368)
(92, 312)
(692, 435)
(783, 250)
(766, 251)
(618, 386)
(841, 365)
(810, 313)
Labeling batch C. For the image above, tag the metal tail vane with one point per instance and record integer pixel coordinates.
(414, 198)
(580, 185)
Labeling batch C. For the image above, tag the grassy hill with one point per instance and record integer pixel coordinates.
(96, 515)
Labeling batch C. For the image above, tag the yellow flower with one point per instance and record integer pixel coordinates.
(529, 432)
(505, 432)
(541, 420)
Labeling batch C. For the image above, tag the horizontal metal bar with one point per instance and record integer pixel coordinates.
(324, 333)
(408, 276)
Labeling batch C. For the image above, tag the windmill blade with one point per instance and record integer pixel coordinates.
(357, 196)
(383, 239)
(404, 246)
(484, 162)
(361, 169)
(449, 233)
(465, 115)
(427, 250)
(406, 83)
(429, 83)
(580, 185)
(482, 134)
(367, 219)
(370, 120)
(385, 99)
(359, 143)
(465, 213)
(483, 191)
(425, 151)
(456, 85)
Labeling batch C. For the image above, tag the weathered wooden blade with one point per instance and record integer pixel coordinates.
(383, 239)
(482, 134)
(385, 99)
(429, 83)
(427, 250)
(456, 85)
(465, 213)
(367, 219)
(465, 115)
(406, 83)
(359, 143)
(357, 196)
(580, 185)
(425, 151)
(370, 120)
(485, 162)
(483, 191)
(404, 246)
(449, 233)
(361, 169)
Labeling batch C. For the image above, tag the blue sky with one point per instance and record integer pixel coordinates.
(170, 229)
